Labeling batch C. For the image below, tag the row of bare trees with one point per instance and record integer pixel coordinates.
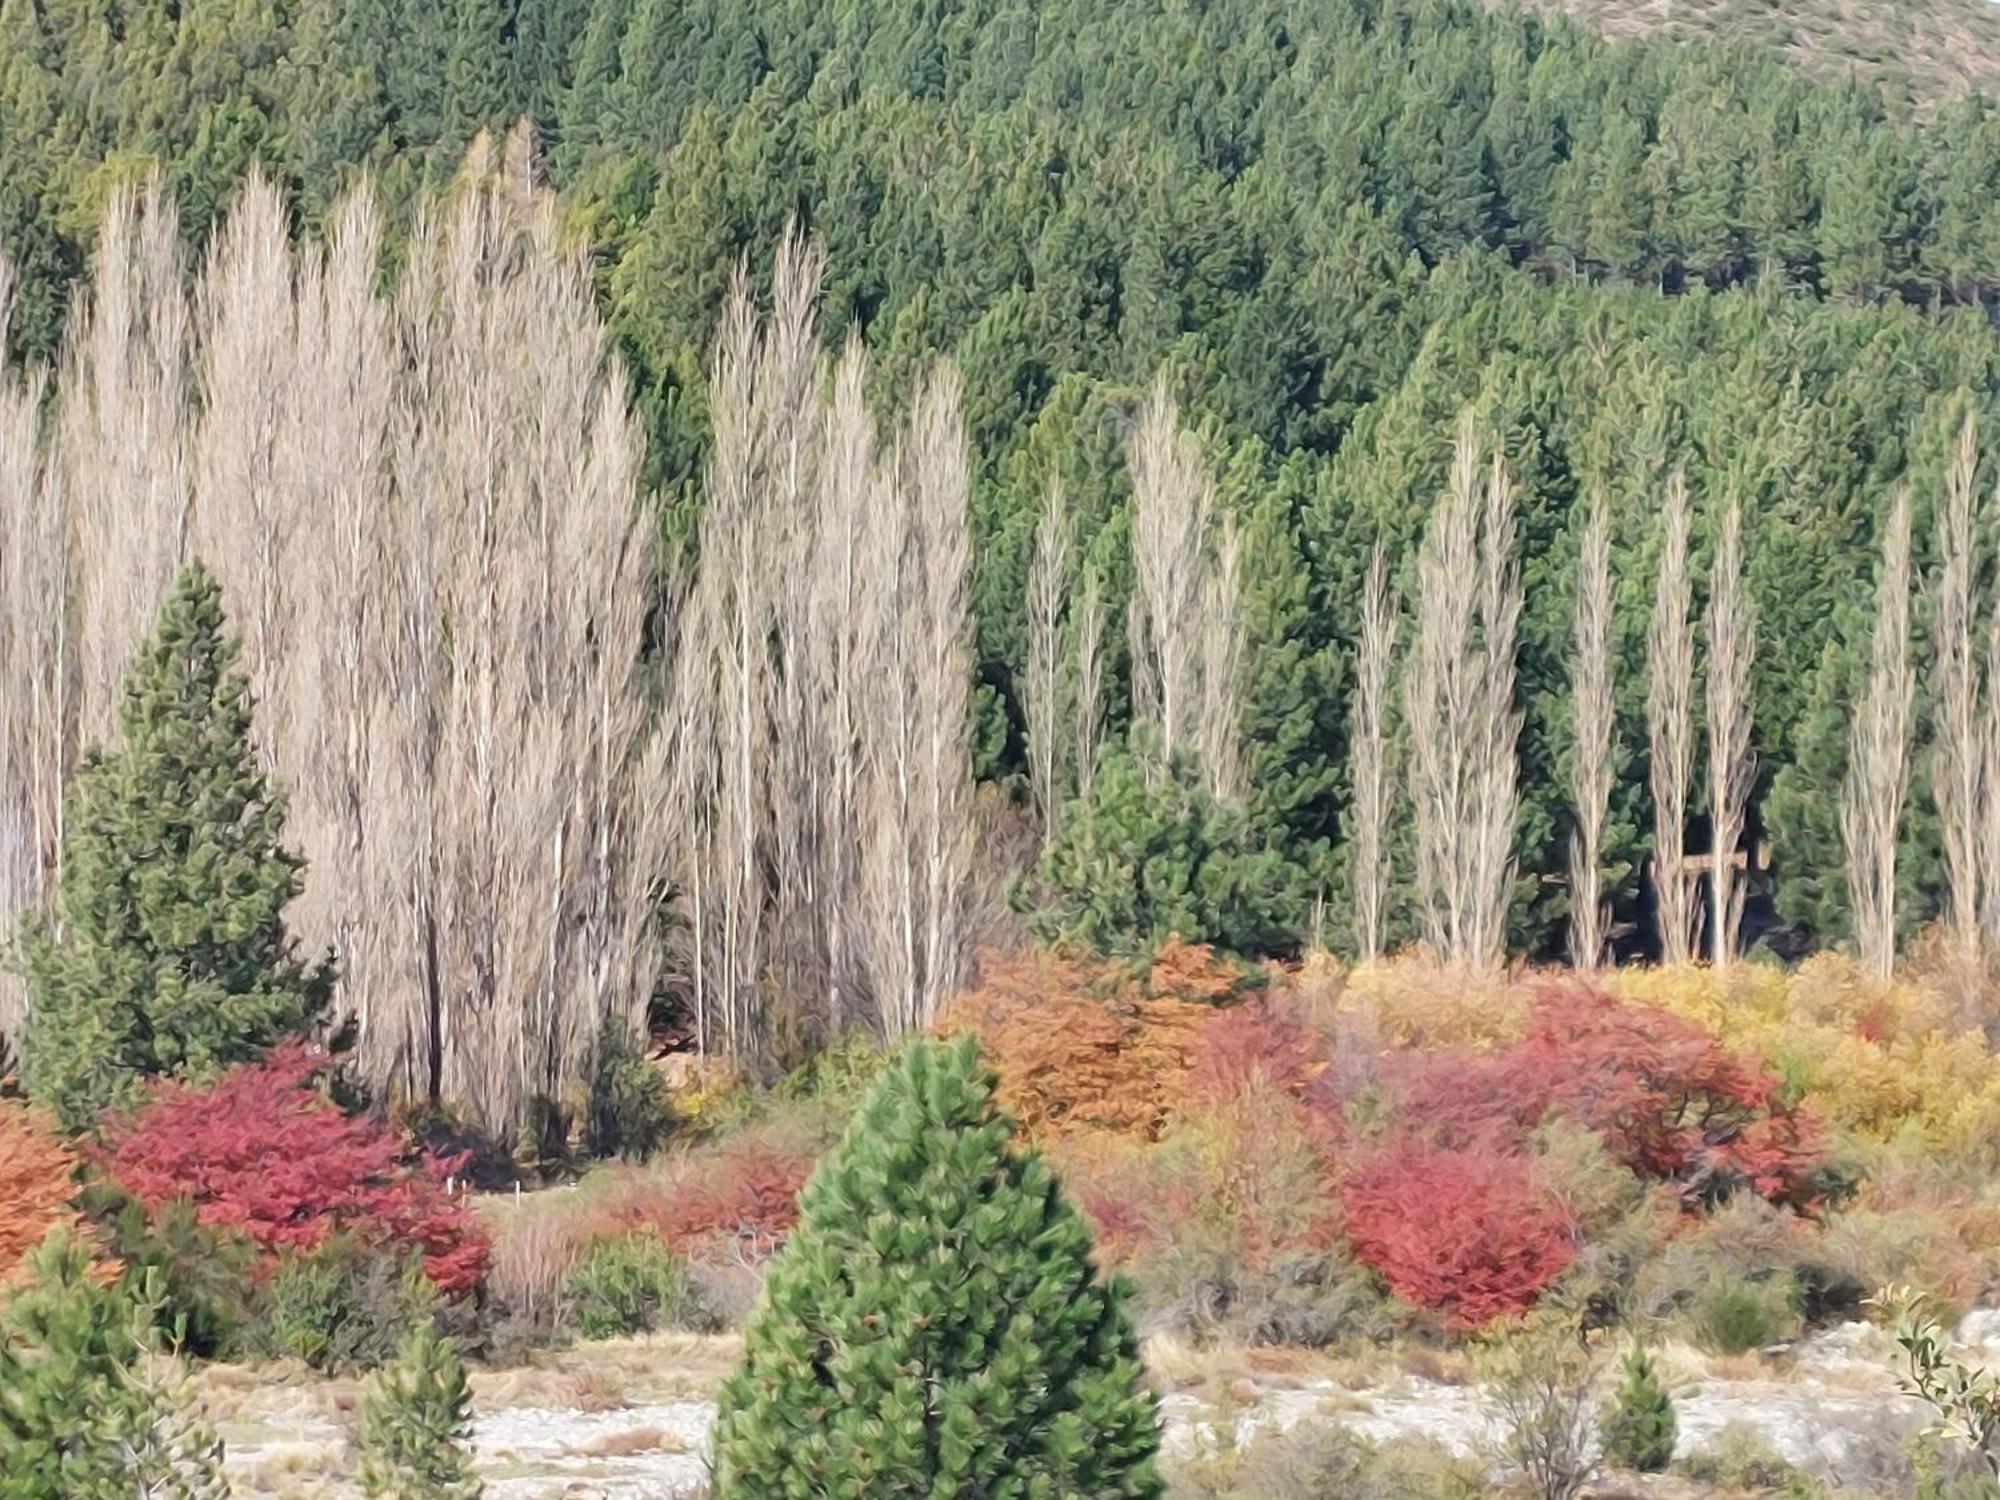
(423, 509)
(1460, 726)
(424, 506)
(818, 717)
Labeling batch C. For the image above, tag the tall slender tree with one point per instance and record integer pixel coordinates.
(1955, 750)
(1593, 756)
(1732, 765)
(1878, 770)
(1459, 707)
(1372, 772)
(1670, 725)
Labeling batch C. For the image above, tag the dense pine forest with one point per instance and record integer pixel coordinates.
(1330, 228)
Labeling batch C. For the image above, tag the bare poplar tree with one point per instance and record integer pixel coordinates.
(1878, 766)
(1732, 766)
(1379, 622)
(1497, 763)
(818, 692)
(33, 680)
(1088, 690)
(1670, 725)
(1458, 697)
(1594, 764)
(1173, 504)
(1955, 730)
(121, 463)
(1222, 653)
(1042, 696)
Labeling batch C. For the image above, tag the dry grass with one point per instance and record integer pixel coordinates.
(629, 1444)
(1923, 52)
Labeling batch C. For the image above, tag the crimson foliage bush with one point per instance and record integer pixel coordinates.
(1670, 1102)
(1475, 1235)
(263, 1151)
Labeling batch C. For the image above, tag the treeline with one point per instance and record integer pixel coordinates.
(1333, 228)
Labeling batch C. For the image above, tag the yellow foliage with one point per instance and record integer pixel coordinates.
(1416, 1003)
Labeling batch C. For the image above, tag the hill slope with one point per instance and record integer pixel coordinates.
(1923, 51)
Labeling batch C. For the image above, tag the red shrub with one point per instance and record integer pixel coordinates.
(1473, 1235)
(747, 1196)
(1669, 1100)
(1254, 1043)
(263, 1151)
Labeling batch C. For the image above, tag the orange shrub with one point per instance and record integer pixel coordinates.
(37, 1183)
(1083, 1045)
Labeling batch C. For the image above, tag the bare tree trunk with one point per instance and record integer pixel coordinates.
(1222, 654)
(1732, 766)
(1956, 753)
(1594, 765)
(34, 586)
(1497, 763)
(1042, 696)
(1878, 768)
(1670, 725)
(1172, 510)
(121, 461)
(1379, 621)
(1089, 681)
(1458, 696)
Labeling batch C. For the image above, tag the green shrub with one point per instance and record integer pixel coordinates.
(415, 1423)
(86, 1412)
(629, 1114)
(630, 1284)
(1640, 1428)
(1147, 856)
(340, 1306)
(1321, 1460)
(1735, 1314)
(1741, 1459)
(204, 1275)
(934, 1325)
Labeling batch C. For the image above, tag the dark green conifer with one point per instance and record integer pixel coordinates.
(1640, 1428)
(934, 1326)
(415, 1422)
(84, 1413)
(170, 954)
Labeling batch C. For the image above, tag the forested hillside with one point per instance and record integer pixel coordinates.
(1332, 226)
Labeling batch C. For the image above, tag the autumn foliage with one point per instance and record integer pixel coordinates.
(262, 1151)
(1473, 1234)
(37, 1184)
(1669, 1101)
(747, 1198)
(1088, 1045)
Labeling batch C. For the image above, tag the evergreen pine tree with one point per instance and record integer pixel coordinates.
(82, 1414)
(1640, 1428)
(171, 952)
(934, 1326)
(415, 1422)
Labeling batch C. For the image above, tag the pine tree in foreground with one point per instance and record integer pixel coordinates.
(172, 953)
(1640, 1428)
(933, 1327)
(415, 1423)
(86, 1412)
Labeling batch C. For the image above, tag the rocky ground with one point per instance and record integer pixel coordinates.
(627, 1419)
